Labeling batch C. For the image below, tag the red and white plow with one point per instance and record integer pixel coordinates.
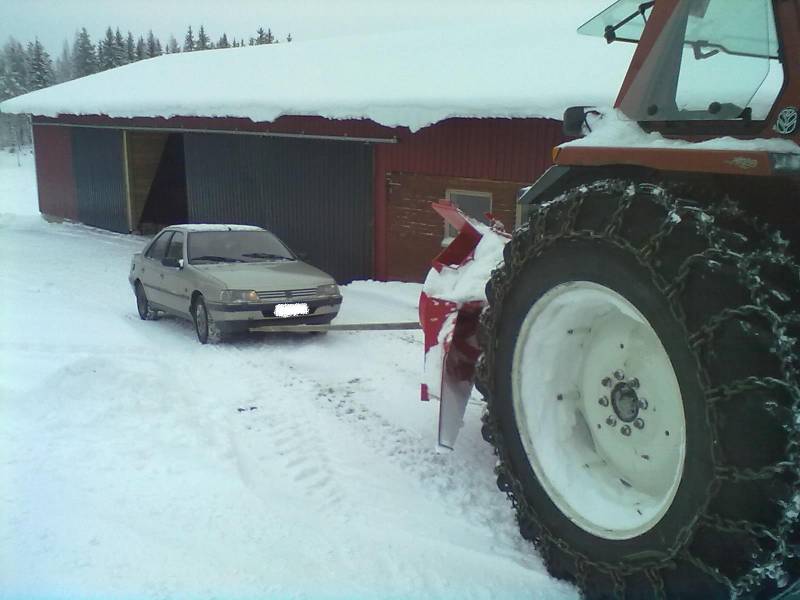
(450, 306)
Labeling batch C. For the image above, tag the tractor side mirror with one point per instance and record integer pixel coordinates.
(574, 120)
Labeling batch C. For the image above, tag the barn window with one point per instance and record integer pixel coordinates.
(473, 204)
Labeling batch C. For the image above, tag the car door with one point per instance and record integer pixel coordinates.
(153, 271)
(176, 280)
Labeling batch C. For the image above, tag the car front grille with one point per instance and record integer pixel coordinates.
(287, 295)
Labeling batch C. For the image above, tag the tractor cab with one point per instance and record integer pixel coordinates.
(712, 61)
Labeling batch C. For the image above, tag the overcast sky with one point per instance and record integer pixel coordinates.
(53, 21)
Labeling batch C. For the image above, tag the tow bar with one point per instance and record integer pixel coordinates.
(340, 327)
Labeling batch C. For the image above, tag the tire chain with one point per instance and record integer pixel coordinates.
(535, 233)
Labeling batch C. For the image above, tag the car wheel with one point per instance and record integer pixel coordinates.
(146, 312)
(640, 372)
(204, 326)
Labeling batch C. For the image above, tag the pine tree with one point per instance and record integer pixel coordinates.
(153, 45)
(223, 42)
(40, 67)
(202, 40)
(289, 38)
(141, 49)
(84, 60)
(130, 48)
(188, 41)
(64, 64)
(14, 75)
(105, 51)
(261, 36)
(118, 50)
(172, 45)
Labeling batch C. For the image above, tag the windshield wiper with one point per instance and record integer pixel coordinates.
(216, 258)
(266, 255)
(610, 32)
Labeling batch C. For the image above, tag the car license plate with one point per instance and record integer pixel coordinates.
(291, 310)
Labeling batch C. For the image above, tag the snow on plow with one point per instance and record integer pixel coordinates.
(450, 306)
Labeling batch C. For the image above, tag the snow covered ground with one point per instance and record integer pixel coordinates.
(136, 463)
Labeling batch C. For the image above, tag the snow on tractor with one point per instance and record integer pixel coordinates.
(637, 340)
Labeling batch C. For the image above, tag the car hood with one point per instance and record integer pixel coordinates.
(266, 276)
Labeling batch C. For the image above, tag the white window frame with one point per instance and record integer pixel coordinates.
(450, 233)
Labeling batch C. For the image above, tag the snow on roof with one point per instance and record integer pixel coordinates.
(528, 63)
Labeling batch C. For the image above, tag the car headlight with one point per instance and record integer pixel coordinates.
(237, 296)
(329, 289)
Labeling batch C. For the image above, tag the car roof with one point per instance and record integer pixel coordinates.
(193, 227)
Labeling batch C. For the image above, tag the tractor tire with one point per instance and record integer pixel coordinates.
(640, 367)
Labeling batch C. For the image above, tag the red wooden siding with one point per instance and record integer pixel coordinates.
(510, 150)
(415, 232)
(54, 176)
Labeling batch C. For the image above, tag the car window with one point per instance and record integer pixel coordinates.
(236, 246)
(158, 249)
(176, 246)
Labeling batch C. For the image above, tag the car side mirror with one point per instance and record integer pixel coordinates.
(174, 263)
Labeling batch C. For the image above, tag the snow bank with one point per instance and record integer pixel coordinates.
(18, 195)
(528, 62)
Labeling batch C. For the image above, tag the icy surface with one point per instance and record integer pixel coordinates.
(136, 463)
(511, 64)
(613, 129)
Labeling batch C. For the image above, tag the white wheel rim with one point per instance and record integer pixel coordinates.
(599, 410)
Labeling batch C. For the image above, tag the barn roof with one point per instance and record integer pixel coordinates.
(535, 68)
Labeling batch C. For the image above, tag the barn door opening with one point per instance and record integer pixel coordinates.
(156, 180)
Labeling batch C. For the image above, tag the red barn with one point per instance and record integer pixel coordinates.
(338, 146)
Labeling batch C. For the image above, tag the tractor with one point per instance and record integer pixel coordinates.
(636, 343)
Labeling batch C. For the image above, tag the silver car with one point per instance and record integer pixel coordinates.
(227, 278)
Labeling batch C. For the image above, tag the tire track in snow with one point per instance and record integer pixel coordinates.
(461, 480)
(281, 438)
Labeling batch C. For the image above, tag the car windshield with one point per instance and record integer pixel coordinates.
(236, 246)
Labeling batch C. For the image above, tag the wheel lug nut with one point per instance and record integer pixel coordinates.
(611, 422)
(643, 403)
(619, 374)
(634, 383)
(638, 423)
(603, 401)
(625, 430)
(606, 381)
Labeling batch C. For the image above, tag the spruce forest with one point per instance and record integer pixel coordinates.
(29, 67)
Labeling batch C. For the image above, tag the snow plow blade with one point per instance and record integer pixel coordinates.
(450, 321)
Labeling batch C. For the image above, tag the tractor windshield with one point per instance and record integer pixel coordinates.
(712, 59)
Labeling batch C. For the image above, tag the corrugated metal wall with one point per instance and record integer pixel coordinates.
(54, 177)
(316, 195)
(97, 161)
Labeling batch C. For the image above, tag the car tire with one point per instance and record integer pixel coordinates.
(146, 312)
(204, 326)
(719, 293)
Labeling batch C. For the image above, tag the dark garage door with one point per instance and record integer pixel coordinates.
(314, 194)
(99, 183)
